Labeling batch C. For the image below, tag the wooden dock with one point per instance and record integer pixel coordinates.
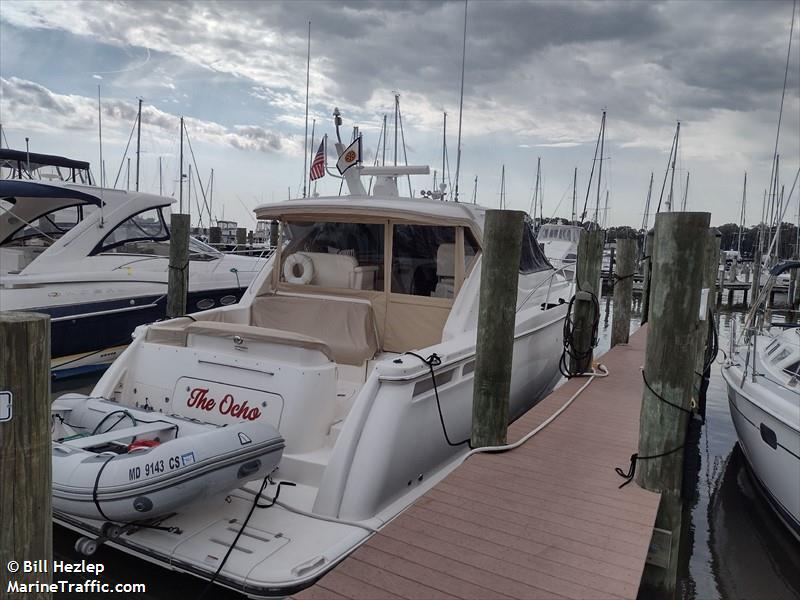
(546, 520)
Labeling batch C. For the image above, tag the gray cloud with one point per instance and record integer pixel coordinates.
(32, 106)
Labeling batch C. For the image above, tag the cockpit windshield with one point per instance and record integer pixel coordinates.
(45, 229)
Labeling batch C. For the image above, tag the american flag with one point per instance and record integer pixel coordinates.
(318, 164)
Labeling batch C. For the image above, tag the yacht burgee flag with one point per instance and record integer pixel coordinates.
(350, 156)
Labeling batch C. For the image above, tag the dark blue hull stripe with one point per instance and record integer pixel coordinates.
(115, 324)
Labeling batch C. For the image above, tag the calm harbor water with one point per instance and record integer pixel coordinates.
(738, 548)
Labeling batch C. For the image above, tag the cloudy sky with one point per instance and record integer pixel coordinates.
(538, 76)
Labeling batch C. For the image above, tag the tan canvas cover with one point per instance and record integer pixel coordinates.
(347, 327)
(413, 323)
(259, 334)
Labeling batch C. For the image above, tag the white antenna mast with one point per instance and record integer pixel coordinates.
(461, 101)
(102, 164)
(305, 137)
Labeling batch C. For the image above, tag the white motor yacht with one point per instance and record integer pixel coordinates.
(763, 378)
(96, 260)
(357, 344)
(560, 244)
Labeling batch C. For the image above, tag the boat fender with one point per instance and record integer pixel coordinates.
(143, 504)
(300, 261)
(142, 445)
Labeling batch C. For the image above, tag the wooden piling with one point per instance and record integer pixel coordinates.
(178, 284)
(241, 236)
(496, 321)
(25, 447)
(647, 261)
(273, 234)
(214, 235)
(680, 243)
(624, 270)
(710, 265)
(587, 276)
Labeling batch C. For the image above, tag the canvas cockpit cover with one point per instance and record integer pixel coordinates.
(13, 159)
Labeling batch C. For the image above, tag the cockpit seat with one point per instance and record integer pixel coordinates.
(346, 326)
(341, 271)
(445, 271)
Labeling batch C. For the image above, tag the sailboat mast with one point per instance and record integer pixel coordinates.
(574, 194)
(475, 194)
(180, 174)
(138, 141)
(461, 102)
(674, 158)
(160, 191)
(396, 112)
(211, 199)
(308, 81)
(741, 217)
(647, 204)
(600, 168)
(444, 146)
(685, 193)
(535, 198)
(503, 188)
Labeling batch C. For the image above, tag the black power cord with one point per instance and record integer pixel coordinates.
(432, 361)
(570, 353)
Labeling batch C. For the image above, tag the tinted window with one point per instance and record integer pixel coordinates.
(423, 260)
(143, 233)
(343, 255)
(471, 247)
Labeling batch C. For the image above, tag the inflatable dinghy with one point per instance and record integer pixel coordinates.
(118, 463)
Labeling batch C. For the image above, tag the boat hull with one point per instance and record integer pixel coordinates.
(102, 329)
(771, 448)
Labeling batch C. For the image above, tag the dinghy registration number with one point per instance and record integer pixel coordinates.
(160, 466)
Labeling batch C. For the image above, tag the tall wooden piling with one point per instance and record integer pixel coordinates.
(178, 284)
(587, 277)
(680, 243)
(273, 234)
(241, 236)
(214, 235)
(624, 270)
(647, 261)
(496, 320)
(25, 447)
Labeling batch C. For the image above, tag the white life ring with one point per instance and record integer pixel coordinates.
(305, 264)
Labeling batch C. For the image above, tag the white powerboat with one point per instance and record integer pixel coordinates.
(357, 343)
(96, 260)
(560, 244)
(763, 378)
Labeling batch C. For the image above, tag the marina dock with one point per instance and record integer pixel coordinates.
(546, 520)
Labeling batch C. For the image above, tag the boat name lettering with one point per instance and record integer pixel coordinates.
(198, 398)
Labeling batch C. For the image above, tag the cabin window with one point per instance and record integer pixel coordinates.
(531, 259)
(471, 248)
(333, 254)
(793, 369)
(780, 356)
(143, 233)
(423, 260)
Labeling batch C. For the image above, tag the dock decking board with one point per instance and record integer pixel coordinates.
(546, 520)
